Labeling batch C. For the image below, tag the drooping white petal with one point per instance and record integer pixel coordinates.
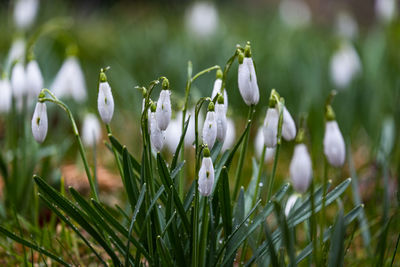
(105, 102)
(334, 146)
(270, 127)
(217, 89)
(230, 135)
(91, 130)
(39, 122)
(259, 145)
(18, 84)
(288, 126)
(206, 177)
(301, 168)
(210, 129)
(34, 79)
(70, 81)
(5, 95)
(344, 66)
(190, 133)
(25, 12)
(247, 82)
(157, 136)
(220, 113)
(173, 134)
(290, 204)
(163, 111)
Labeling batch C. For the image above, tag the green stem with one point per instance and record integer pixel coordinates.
(195, 256)
(204, 232)
(117, 159)
(78, 138)
(242, 154)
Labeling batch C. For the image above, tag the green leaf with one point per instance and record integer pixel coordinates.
(225, 202)
(336, 254)
(32, 246)
(271, 247)
(163, 252)
(117, 145)
(287, 231)
(130, 184)
(178, 148)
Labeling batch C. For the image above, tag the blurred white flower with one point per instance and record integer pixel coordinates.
(18, 83)
(346, 25)
(345, 65)
(259, 145)
(290, 204)
(201, 19)
(210, 127)
(25, 12)
(17, 51)
(206, 176)
(295, 13)
(5, 95)
(334, 146)
(157, 136)
(300, 168)
(91, 130)
(385, 10)
(163, 111)
(70, 81)
(220, 113)
(105, 102)
(173, 134)
(190, 133)
(34, 79)
(39, 122)
(230, 135)
(270, 127)
(288, 126)
(247, 81)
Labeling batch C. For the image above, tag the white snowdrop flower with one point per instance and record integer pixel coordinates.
(5, 95)
(70, 81)
(18, 83)
(334, 146)
(259, 145)
(217, 88)
(201, 19)
(220, 114)
(290, 204)
(288, 126)
(34, 79)
(301, 168)
(247, 79)
(39, 122)
(270, 128)
(191, 131)
(385, 10)
(157, 136)
(210, 127)
(230, 135)
(105, 100)
(206, 174)
(91, 130)
(173, 135)
(17, 51)
(346, 25)
(344, 65)
(295, 13)
(163, 111)
(25, 12)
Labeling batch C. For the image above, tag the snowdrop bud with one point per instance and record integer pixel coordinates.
(163, 112)
(210, 127)
(290, 204)
(270, 128)
(39, 122)
(220, 113)
(157, 136)
(34, 79)
(105, 100)
(230, 135)
(70, 81)
(334, 147)
(25, 12)
(5, 95)
(206, 174)
(91, 130)
(18, 81)
(259, 145)
(217, 88)
(247, 79)
(300, 168)
(288, 126)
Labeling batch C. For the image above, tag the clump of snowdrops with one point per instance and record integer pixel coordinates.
(217, 220)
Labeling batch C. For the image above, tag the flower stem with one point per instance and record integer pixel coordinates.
(323, 210)
(242, 154)
(117, 159)
(204, 232)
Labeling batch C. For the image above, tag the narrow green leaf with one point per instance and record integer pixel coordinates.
(287, 233)
(164, 253)
(130, 183)
(178, 148)
(117, 145)
(225, 202)
(336, 254)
